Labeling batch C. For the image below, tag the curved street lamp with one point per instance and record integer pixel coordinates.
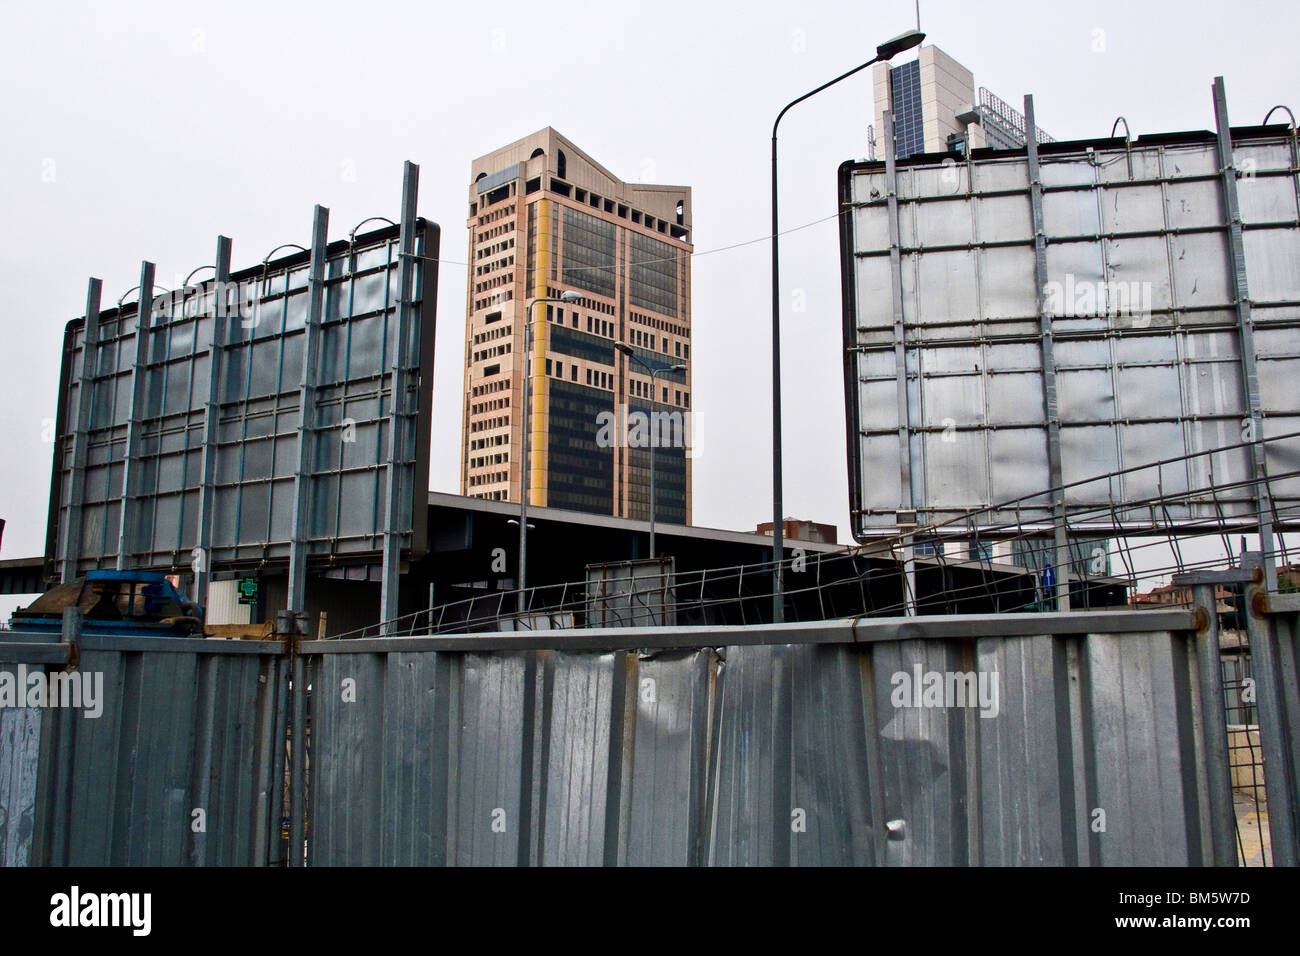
(524, 476)
(886, 51)
(654, 443)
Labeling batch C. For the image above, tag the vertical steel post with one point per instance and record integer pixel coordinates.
(1051, 411)
(1245, 331)
(221, 319)
(1273, 735)
(283, 672)
(400, 415)
(131, 466)
(1218, 772)
(906, 490)
(292, 627)
(778, 527)
(303, 478)
(81, 434)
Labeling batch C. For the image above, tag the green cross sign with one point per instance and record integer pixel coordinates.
(248, 589)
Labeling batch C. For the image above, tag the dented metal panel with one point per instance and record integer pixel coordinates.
(170, 766)
(20, 735)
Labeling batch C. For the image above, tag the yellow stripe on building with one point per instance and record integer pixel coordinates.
(540, 416)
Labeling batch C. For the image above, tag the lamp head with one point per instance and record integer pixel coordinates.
(570, 296)
(904, 41)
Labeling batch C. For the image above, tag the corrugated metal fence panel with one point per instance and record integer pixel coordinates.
(20, 734)
(1026, 765)
(664, 772)
(755, 755)
(180, 731)
(1144, 771)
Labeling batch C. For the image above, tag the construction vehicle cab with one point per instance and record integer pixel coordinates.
(130, 603)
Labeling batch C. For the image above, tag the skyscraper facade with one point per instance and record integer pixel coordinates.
(936, 110)
(545, 219)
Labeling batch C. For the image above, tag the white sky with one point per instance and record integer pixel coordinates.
(142, 130)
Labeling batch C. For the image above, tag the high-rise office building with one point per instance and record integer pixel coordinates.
(544, 219)
(936, 110)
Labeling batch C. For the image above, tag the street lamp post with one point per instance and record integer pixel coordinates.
(654, 372)
(524, 476)
(886, 51)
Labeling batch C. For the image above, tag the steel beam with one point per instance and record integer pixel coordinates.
(71, 545)
(1274, 738)
(1218, 768)
(1245, 332)
(1050, 410)
(202, 564)
(303, 480)
(400, 414)
(906, 488)
(131, 466)
(844, 631)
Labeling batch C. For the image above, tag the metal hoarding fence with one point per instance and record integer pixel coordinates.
(1069, 738)
(1018, 323)
(171, 759)
(786, 744)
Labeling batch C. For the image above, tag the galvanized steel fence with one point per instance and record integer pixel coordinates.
(1057, 738)
(177, 768)
(784, 745)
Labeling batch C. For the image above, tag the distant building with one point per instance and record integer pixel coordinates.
(803, 531)
(546, 218)
(936, 110)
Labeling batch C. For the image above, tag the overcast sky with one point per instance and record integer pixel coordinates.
(144, 130)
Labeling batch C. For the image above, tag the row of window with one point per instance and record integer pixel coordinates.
(492, 478)
(489, 387)
(486, 252)
(483, 461)
(497, 214)
(647, 341)
(494, 266)
(495, 231)
(642, 390)
(676, 229)
(505, 295)
(660, 324)
(594, 325)
(489, 442)
(492, 352)
(490, 284)
(491, 334)
(481, 407)
(483, 424)
(592, 304)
